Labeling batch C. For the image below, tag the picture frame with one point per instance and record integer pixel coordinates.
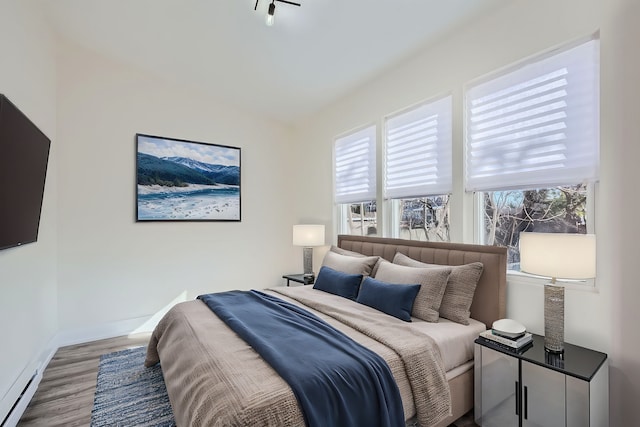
(182, 180)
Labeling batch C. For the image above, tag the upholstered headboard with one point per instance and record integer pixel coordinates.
(489, 302)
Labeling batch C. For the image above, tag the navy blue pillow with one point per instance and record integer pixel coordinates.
(395, 300)
(338, 283)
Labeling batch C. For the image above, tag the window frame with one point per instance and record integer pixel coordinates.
(517, 277)
(392, 207)
(342, 218)
(465, 218)
(340, 208)
(390, 213)
(520, 277)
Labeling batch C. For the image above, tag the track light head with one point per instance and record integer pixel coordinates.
(272, 9)
(270, 13)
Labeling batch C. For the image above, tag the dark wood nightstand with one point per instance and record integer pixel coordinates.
(537, 388)
(300, 278)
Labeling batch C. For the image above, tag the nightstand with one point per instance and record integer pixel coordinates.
(538, 388)
(300, 278)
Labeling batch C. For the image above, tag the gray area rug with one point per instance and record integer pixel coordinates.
(128, 394)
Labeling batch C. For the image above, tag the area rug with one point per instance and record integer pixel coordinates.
(128, 394)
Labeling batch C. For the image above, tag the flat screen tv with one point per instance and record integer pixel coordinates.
(24, 154)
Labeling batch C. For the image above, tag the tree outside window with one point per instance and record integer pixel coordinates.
(548, 210)
(360, 218)
(423, 218)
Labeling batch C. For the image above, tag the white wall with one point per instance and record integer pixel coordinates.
(112, 268)
(603, 319)
(95, 271)
(620, 109)
(28, 301)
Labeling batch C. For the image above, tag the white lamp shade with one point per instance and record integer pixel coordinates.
(558, 255)
(308, 235)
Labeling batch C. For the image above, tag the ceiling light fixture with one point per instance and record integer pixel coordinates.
(272, 9)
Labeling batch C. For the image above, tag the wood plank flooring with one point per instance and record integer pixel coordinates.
(65, 394)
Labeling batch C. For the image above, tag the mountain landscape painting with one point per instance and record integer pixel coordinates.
(179, 180)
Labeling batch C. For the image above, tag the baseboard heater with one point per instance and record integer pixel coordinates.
(18, 408)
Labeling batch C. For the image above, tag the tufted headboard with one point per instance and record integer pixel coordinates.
(489, 302)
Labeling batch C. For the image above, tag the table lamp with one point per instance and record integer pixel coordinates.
(562, 256)
(308, 236)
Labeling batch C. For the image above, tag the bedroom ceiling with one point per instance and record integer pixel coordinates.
(313, 55)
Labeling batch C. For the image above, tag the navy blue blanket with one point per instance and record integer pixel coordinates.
(337, 381)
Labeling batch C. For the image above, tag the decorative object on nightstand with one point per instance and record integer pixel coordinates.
(509, 334)
(308, 236)
(509, 328)
(557, 255)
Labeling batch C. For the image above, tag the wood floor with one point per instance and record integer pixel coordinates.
(65, 394)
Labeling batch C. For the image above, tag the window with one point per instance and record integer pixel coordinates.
(355, 182)
(532, 148)
(550, 210)
(359, 218)
(418, 170)
(422, 218)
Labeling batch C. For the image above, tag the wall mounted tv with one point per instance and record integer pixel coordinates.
(24, 153)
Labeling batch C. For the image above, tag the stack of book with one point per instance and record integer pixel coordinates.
(509, 342)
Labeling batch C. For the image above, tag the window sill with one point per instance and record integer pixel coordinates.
(518, 278)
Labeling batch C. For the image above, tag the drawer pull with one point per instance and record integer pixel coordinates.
(526, 403)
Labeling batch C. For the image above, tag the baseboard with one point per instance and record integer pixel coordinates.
(106, 330)
(23, 390)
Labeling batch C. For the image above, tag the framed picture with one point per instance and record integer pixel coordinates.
(179, 180)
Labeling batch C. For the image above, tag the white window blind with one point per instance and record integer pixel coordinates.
(355, 166)
(418, 151)
(536, 126)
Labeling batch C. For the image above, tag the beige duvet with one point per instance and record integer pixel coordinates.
(214, 378)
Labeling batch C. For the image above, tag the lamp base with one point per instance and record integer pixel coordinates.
(554, 318)
(307, 259)
(554, 359)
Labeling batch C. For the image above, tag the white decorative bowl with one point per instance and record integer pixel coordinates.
(509, 327)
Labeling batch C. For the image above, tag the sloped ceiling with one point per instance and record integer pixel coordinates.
(313, 55)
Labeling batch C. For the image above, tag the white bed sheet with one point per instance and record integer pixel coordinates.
(455, 340)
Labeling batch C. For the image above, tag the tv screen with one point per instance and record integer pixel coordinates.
(24, 153)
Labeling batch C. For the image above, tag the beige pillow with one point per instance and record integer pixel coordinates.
(432, 280)
(350, 264)
(461, 286)
(358, 255)
(341, 251)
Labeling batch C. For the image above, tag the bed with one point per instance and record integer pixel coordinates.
(213, 377)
